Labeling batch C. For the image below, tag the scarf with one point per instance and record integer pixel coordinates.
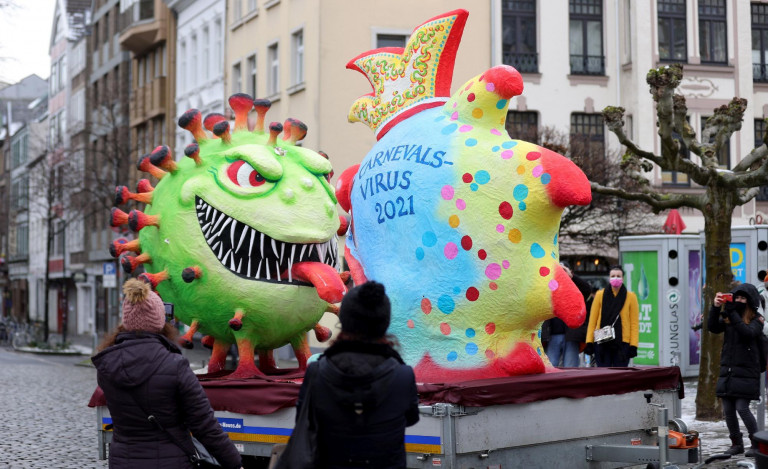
(612, 308)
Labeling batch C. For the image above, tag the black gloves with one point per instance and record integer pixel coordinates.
(589, 349)
(632, 351)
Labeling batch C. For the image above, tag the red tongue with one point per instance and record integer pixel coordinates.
(324, 277)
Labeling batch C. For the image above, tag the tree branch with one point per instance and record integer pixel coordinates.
(657, 201)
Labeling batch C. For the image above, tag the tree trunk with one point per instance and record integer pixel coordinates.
(718, 278)
(49, 242)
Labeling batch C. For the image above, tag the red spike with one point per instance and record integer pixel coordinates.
(144, 186)
(213, 119)
(193, 151)
(145, 164)
(333, 309)
(191, 274)
(236, 323)
(222, 130)
(123, 195)
(298, 130)
(261, 106)
(162, 158)
(322, 333)
(138, 220)
(287, 129)
(207, 341)
(325, 155)
(242, 104)
(186, 340)
(121, 245)
(154, 279)
(192, 121)
(117, 217)
(274, 130)
(130, 263)
(343, 226)
(345, 276)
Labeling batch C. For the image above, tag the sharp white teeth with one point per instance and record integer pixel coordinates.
(219, 216)
(268, 276)
(205, 229)
(226, 256)
(262, 245)
(274, 249)
(309, 253)
(239, 266)
(221, 249)
(207, 212)
(232, 234)
(322, 249)
(301, 254)
(293, 252)
(249, 267)
(282, 250)
(258, 271)
(277, 269)
(250, 246)
(290, 275)
(223, 227)
(242, 238)
(231, 261)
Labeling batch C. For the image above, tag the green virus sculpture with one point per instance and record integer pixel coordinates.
(240, 236)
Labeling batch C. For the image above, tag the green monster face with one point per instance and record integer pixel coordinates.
(240, 235)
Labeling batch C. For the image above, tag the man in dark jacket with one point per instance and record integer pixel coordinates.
(143, 373)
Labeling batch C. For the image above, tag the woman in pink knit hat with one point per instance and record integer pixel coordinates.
(153, 397)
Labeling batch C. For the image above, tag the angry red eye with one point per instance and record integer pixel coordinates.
(243, 174)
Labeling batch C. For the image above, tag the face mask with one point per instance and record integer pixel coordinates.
(616, 282)
(736, 306)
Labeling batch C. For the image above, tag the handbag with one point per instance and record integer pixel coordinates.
(301, 452)
(606, 333)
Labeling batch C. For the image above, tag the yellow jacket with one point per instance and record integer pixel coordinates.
(630, 318)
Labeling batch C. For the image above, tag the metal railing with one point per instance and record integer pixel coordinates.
(524, 63)
(587, 65)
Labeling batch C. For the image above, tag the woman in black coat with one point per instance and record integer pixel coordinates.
(741, 360)
(142, 373)
(362, 393)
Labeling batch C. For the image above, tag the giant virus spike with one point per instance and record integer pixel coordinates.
(154, 279)
(138, 220)
(121, 245)
(130, 263)
(298, 130)
(144, 186)
(117, 217)
(261, 106)
(274, 130)
(221, 130)
(213, 119)
(193, 151)
(162, 158)
(192, 121)
(123, 195)
(145, 164)
(242, 104)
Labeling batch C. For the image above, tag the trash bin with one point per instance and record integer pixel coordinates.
(761, 458)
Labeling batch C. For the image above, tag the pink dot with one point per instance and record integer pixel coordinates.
(537, 171)
(505, 264)
(490, 87)
(447, 192)
(493, 271)
(507, 154)
(445, 328)
(553, 284)
(489, 354)
(455, 104)
(410, 324)
(455, 115)
(460, 204)
(469, 85)
(465, 128)
(451, 250)
(500, 228)
(495, 132)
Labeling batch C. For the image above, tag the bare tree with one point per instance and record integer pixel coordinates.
(722, 191)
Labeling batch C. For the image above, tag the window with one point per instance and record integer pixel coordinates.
(518, 35)
(759, 42)
(587, 134)
(391, 40)
(252, 5)
(77, 107)
(713, 46)
(78, 58)
(523, 125)
(140, 68)
(19, 151)
(182, 72)
(273, 79)
(20, 193)
(297, 40)
(237, 79)
(760, 128)
(672, 32)
(54, 79)
(22, 239)
(193, 72)
(157, 55)
(206, 54)
(252, 75)
(586, 37)
(58, 238)
(216, 56)
(237, 10)
(63, 72)
(627, 31)
(724, 155)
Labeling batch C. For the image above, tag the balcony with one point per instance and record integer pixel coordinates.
(587, 65)
(147, 28)
(524, 63)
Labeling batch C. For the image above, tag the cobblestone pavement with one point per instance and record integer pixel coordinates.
(45, 421)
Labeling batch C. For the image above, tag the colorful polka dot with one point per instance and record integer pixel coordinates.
(426, 305)
(460, 204)
(470, 142)
(465, 128)
(522, 206)
(496, 148)
(449, 129)
(520, 169)
(520, 192)
(505, 210)
(439, 118)
(505, 264)
(453, 221)
(501, 104)
(450, 250)
(471, 97)
(470, 332)
(428, 239)
(469, 85)
(466, 177)
(509, 144)
(456, 290)
(482, 254)
(445, 304)
(493, 271)
(490, 87)
(474, 187)
(493, 286)
(515, 235)
(466, 243)
(482, 177)
(553, 284)
(537, 251)
(537, 171)
(477, 113)
(495, 132)
(445, 328)
(447, 192)
(410, 324)
(471, 348)
(507, 154)
(455, 104)
(554, 241)
(500, 228)
(544, 271)
(419, 253)
(454, 116)
(489, 354)
(452, 356)
(533, 155)
(490, 328)
(473, 294)
(545, 178)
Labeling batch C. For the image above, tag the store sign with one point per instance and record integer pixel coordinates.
(79, 277)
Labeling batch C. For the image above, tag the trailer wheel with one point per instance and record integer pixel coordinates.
(678, 425)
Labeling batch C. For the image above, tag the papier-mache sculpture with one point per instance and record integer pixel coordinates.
(240, 236)
(456, 219)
